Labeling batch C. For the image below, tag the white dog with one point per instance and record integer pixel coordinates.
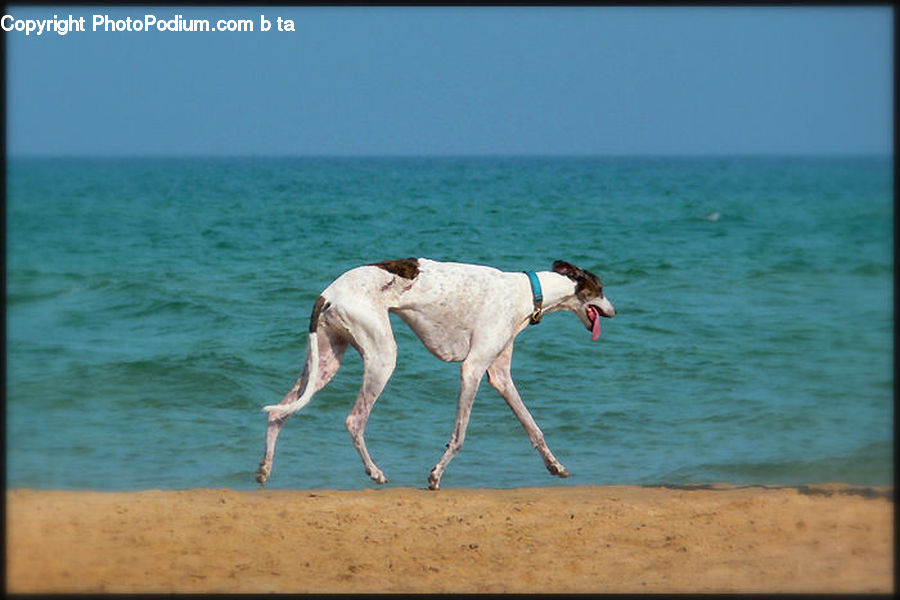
(462, 313)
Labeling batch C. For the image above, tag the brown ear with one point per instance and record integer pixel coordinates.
(567, 269)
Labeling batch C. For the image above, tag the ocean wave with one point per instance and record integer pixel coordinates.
(871, 464)
(873, 270)
(21, 298)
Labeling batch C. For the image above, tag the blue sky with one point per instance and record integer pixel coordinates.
(457, 81)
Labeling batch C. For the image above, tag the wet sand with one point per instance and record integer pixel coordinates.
(827, 538)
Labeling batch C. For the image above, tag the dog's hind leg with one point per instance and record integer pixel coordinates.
(379, 352)
(331, 349)
(501, 379)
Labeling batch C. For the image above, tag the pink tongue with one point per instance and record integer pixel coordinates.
(595, 330)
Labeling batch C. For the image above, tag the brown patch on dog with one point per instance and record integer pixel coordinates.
(320, 305)
(407, 268)
(587, 285)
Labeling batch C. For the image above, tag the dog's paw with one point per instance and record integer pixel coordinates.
(263, 471)
(558, 470)
(377, 475)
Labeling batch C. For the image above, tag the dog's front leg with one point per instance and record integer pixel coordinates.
(470, 378)
(500, 377)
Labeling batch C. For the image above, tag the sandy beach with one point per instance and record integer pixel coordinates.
(826, 538)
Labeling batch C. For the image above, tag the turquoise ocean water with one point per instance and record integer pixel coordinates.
(154, 305)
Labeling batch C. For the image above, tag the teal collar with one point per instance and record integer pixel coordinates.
(537, 297)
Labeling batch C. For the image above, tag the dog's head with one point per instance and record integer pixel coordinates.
(588, 301)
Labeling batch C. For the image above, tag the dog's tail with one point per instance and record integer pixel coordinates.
(312, 367)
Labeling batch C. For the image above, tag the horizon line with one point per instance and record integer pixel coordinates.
(537, 155)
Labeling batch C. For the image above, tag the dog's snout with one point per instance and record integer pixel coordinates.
(605, 308)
